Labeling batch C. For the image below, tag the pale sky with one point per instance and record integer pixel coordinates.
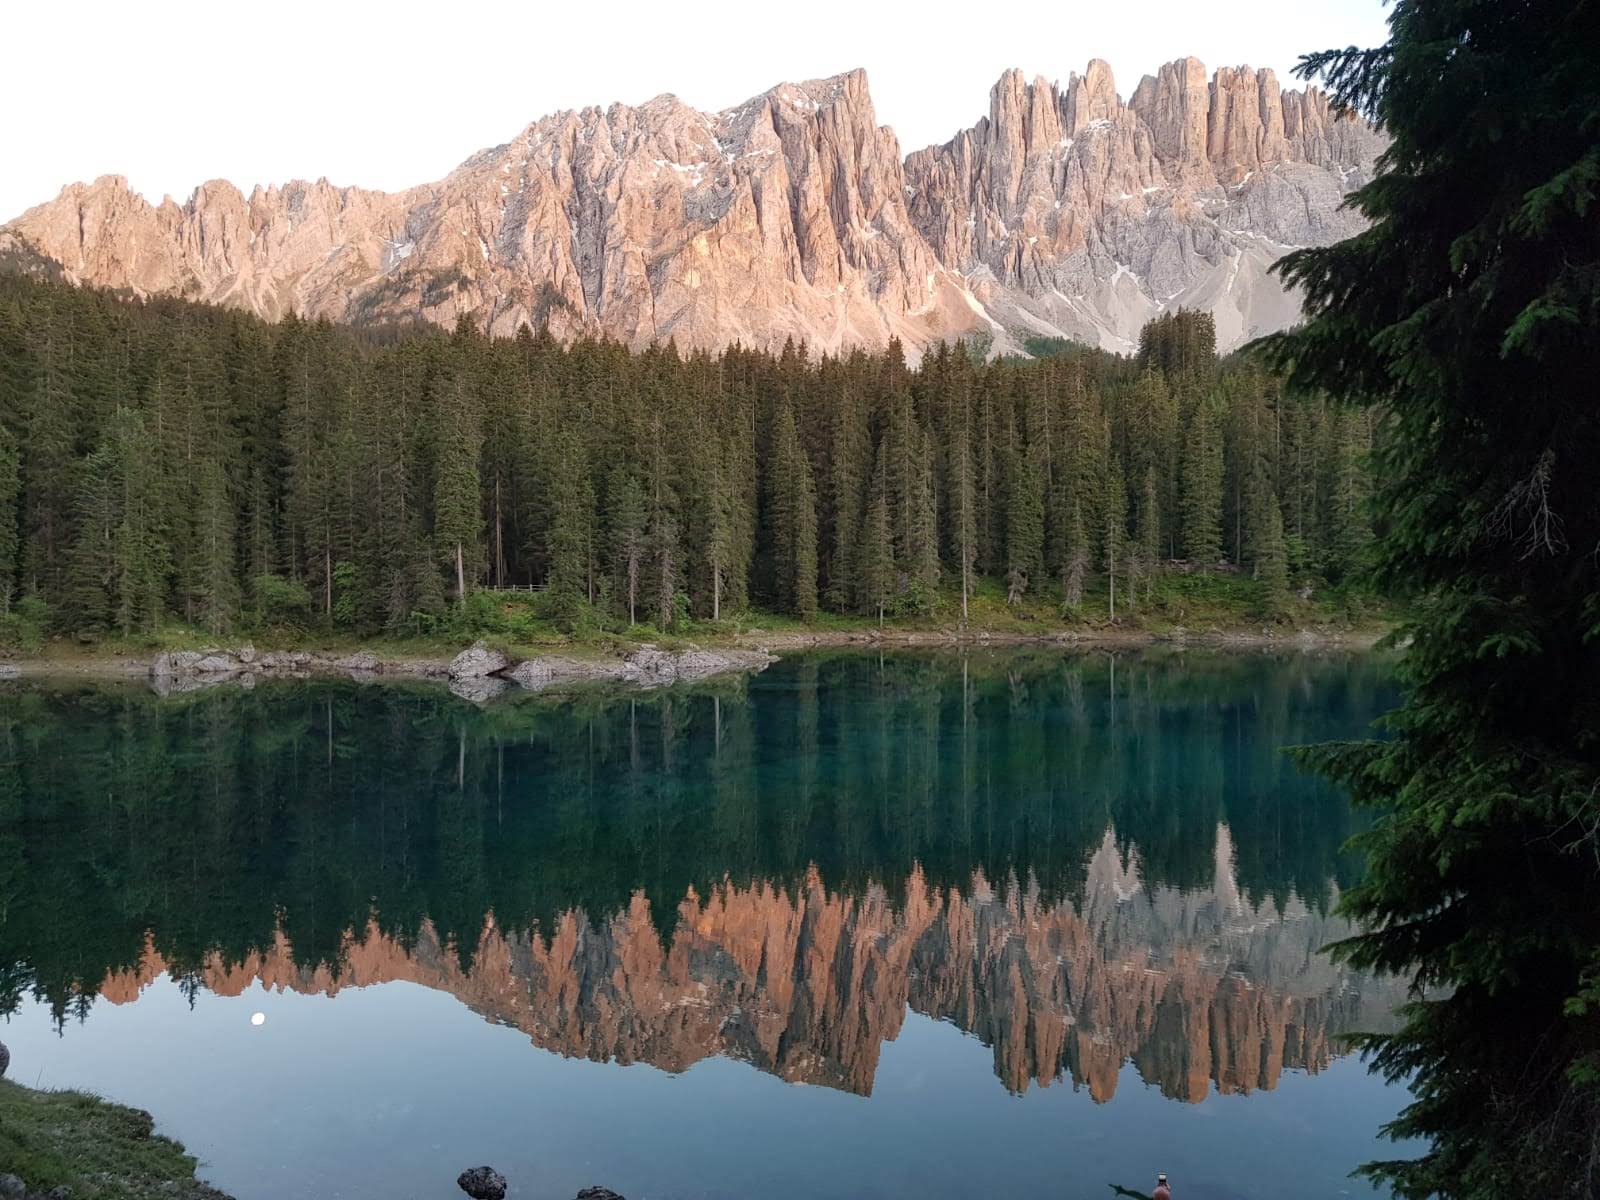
(391, 94)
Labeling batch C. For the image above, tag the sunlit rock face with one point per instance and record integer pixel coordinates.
(1066, 212)
(1199, 990)
(1071, 213)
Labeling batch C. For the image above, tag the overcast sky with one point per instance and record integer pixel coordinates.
(391, 94)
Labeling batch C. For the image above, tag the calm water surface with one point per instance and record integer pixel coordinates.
(996, 924)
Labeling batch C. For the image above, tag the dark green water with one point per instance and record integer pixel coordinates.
(1025, 922)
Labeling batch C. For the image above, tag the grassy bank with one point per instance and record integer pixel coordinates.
(1194, 606)
(102, 1151)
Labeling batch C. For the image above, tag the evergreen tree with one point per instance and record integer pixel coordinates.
(1024, 527)
(1202, 488)
(1116, 532)
(1075, 558)
(214, 585)
(1349, 527)
(964, 503)
(794, 520)
(457, 515)
(850, 455)
(567, 545)
(10, 489)
(626, 523)
(1469, 310)
(1147, 553)
(120, 560)
(47, 461)
(664, 550)
(876, 553)
(922, 570)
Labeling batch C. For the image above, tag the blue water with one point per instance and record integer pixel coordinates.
(1009, 923)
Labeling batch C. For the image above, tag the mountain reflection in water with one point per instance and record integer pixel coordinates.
(1082, 861)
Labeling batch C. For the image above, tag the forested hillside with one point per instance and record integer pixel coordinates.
(168, 461)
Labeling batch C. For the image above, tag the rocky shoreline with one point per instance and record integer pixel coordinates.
(482, 672)
(479, 673)
(1177, 638)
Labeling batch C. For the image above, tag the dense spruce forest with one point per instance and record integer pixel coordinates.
(166, 461)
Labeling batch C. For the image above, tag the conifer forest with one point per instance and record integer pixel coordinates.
(166, 461)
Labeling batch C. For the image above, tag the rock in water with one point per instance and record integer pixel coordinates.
(476, 661)
(598, 1193)
(482, 1183)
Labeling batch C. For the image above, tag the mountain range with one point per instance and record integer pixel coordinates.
(1066, 212)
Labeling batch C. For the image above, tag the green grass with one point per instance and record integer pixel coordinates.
(102, 1151)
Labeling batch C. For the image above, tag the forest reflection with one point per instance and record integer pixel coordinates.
(1083, 860)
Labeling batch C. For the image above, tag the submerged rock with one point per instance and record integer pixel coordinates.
(698, 664)
(479, 690)
(482, 1183)
(648, 666)
(478, 660)
(598, 1193)
(533, 673)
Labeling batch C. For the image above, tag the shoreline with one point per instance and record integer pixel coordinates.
(537, 668)
(1210, 639)
(63, 1142)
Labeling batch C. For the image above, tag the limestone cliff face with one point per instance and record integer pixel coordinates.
(784, 217)
(1066, 211)
(1197, 990)
(1072, 213)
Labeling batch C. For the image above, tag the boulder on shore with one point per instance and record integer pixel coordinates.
(478, 660)
(482, 1183)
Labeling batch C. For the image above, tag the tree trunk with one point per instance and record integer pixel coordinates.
(1112, 575)
(327, 581)
(499, 539)
(716, 589)
(461, 578)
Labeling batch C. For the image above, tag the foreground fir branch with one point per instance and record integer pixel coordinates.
(1470, 310)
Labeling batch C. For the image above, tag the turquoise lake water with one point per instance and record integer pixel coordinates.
(915, 924)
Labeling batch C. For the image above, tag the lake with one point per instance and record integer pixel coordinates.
(995, 923)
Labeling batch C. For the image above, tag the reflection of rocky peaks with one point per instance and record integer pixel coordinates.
(1195, 989)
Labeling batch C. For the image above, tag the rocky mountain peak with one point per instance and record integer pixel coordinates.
(1065, 212)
